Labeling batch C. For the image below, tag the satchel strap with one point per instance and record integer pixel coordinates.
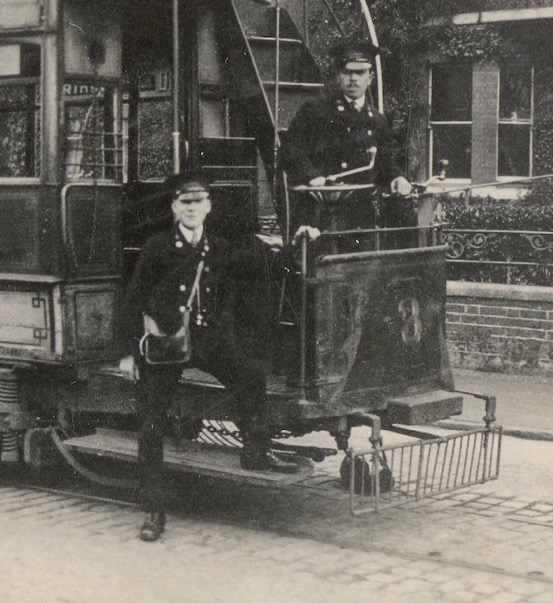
(196, 284)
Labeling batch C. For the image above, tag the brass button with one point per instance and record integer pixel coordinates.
(343, 165)
(182, 287)
(182, 309)
(178, 244)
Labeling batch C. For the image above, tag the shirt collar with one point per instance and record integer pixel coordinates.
(189, 235)
(360, 102)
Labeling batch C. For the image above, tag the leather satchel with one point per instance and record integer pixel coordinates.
(157, 348)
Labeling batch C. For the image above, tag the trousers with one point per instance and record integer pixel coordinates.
(156, 391)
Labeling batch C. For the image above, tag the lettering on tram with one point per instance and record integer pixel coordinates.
(141, 136)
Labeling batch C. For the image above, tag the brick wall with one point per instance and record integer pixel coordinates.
(506, 328)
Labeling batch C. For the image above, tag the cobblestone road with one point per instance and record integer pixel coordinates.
(298, 544)
(61, 549)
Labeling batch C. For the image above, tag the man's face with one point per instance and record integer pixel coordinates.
(354, 81)
(191, 213)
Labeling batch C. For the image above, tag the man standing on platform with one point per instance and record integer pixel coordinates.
(338, 133)
(181, 271)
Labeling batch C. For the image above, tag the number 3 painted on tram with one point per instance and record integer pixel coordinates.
(411, 323)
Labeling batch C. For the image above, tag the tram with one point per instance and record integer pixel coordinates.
(101, 102)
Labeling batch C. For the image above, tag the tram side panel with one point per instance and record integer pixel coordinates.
(59, 277)
(376, 329)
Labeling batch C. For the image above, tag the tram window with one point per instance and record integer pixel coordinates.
(19, 110)
(93, 144)
(515, 121)
(451, 118)
(214, 117)
(155, 127)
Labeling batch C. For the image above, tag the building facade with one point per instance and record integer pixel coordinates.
(485, 103)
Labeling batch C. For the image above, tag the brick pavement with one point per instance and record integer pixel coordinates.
(66, 550)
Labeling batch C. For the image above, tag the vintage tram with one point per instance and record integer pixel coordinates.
(101, 102)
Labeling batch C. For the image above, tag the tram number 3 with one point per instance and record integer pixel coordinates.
(411, 323)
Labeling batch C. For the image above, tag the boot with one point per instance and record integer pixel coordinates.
(153, 527)
(256, 455)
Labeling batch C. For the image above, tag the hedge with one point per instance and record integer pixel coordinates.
(532, 213)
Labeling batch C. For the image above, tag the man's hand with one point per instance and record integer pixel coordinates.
(401, 186)
(318, 181)
(128, 367)
(311, 232)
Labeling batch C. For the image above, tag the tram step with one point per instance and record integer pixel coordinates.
(189, 457)
(428, 407)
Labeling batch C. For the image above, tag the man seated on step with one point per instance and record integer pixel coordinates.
(184, 271)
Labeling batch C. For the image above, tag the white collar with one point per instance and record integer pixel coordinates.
(359, 102)
(190, 235)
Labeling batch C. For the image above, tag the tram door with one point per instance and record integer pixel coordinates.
(214, 137)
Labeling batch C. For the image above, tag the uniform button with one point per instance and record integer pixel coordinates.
(178, 244)
(370, 132)
(203, 254)
(344, 165)
(206, 269)
(349, 129)
(182, 287)
(208, 289)
(371, 113)
(340, 108)
(182, 309)
(206, 247)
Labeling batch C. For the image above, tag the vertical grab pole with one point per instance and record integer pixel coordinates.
(176, 86)
(276, 100)
(303, 316)
(378, 61)
(305, 30)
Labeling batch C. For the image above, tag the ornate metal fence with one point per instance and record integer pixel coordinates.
(501, 256)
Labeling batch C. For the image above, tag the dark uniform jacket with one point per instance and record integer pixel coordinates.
(328, 136)
(164, 276)
(163, 279)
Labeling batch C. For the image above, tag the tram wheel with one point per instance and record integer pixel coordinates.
(363, 477)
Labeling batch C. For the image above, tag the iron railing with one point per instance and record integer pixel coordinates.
(504, 256)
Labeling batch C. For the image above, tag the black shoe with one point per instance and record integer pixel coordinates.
(153, 527)
(265, 460)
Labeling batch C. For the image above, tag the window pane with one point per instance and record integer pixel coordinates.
(19, 131)
(514, 150)
(213, 118)
(93, 149)
(452, 142)
(155, 126)
(515, 98)
(451, 93)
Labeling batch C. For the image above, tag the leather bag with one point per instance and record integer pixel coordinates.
(158, 348)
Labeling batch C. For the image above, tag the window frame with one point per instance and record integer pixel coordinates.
(24, 80)
(519, 122)
(433, 122)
